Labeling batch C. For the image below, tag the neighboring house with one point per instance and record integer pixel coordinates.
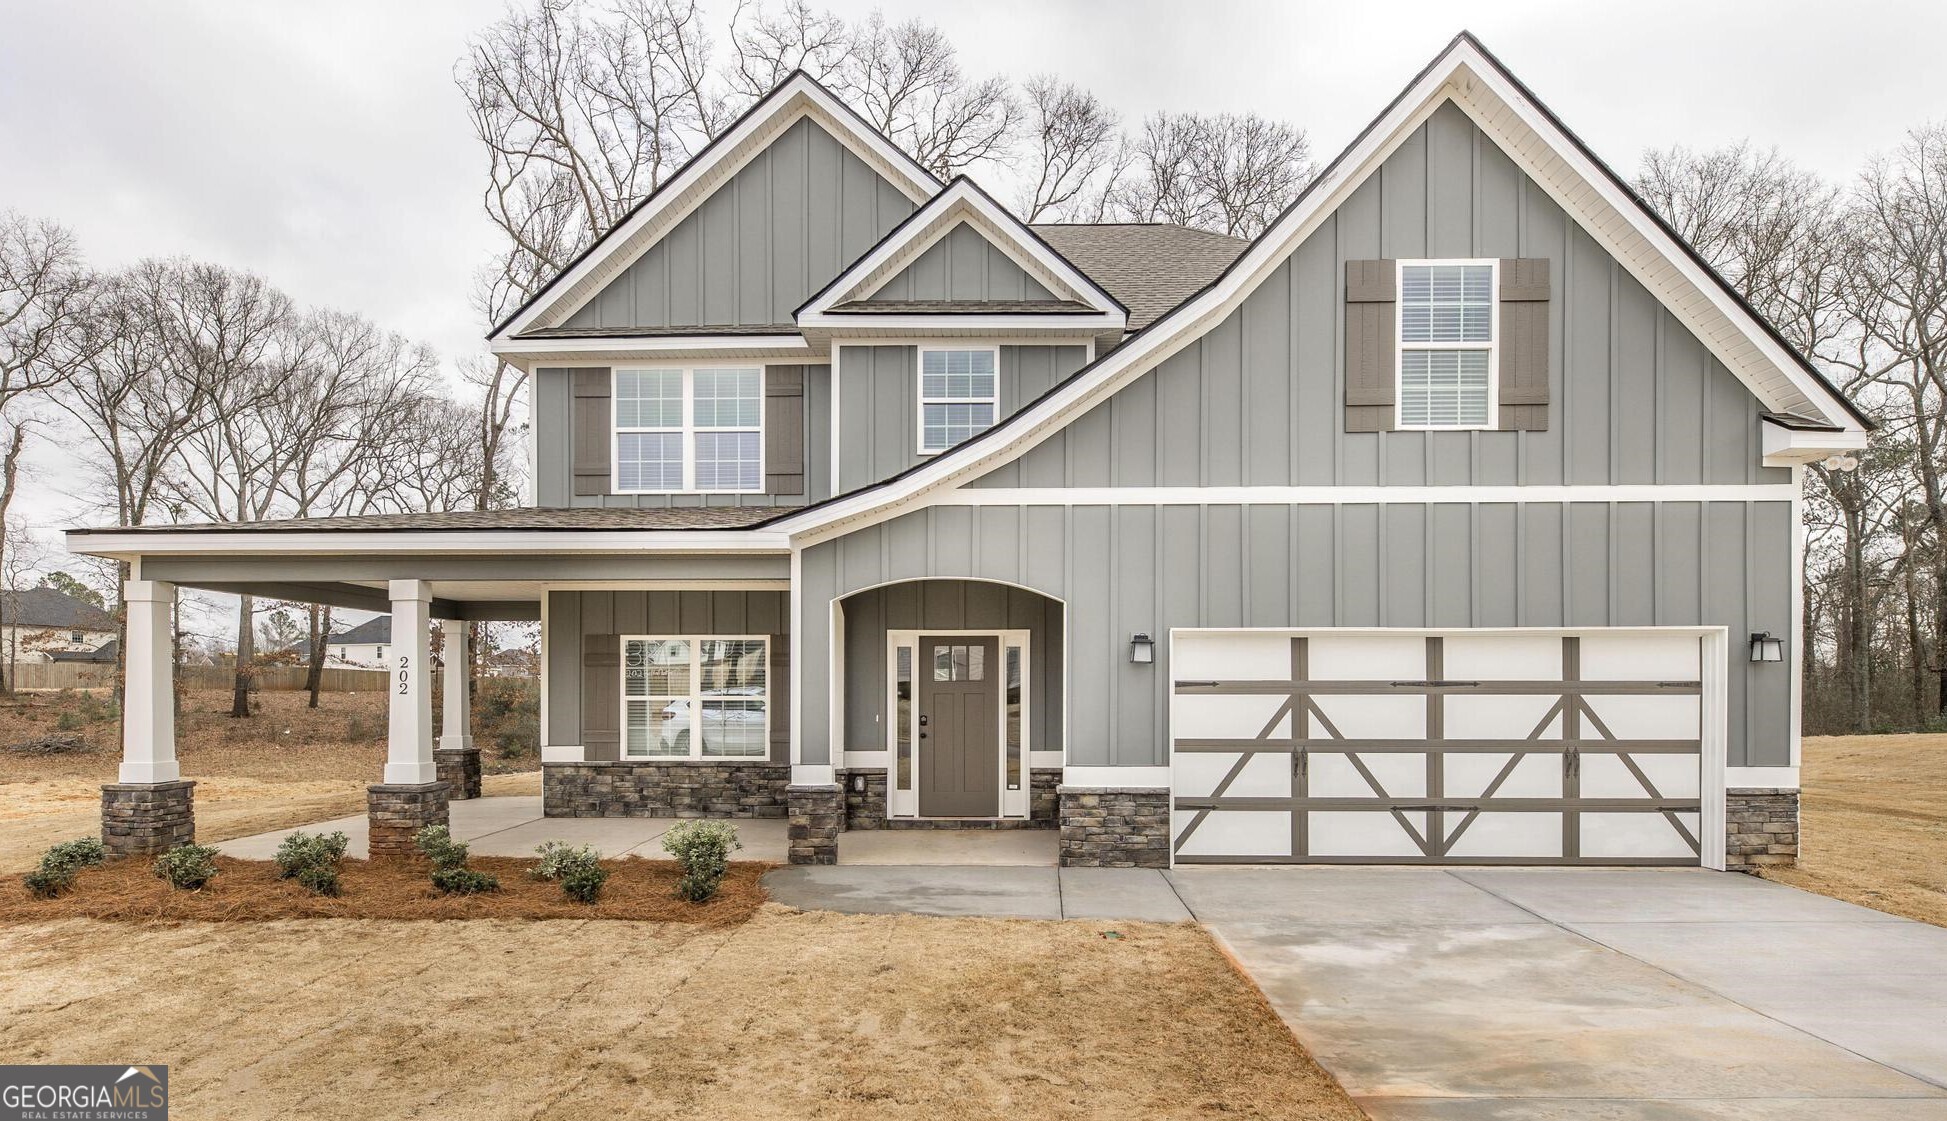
(1440, 523)
(105, 654)
(363, 645)
(38, 623)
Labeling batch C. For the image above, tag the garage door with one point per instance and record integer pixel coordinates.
(1454, 748)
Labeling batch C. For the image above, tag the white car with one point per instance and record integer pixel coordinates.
(728, 721)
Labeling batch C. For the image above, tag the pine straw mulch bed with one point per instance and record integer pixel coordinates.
(250, 891)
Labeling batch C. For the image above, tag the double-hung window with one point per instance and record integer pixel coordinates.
(695, 697)
(958, 395)
(695, 429)
(1447, 329)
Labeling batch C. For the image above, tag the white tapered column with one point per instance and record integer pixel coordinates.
(409, 733)
(455, 704)
(148, 687)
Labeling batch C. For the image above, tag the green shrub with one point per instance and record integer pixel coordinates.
(319, 878)
(312, 860)
(72, 856)
(187, 867)
(584, 883)
(437, 844)
(558, 858)
(46, 883)
(463, 881)
(68, 721)
(703, 849)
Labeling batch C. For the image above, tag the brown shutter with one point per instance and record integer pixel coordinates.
(1371, 338)
(601, 696)
(590, 430)
(784, 429)
(1524, 345)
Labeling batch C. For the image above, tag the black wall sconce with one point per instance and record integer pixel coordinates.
(1142, 649)
(1766, 648)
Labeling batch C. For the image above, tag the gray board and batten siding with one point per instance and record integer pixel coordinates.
(878, 407)
(1634, 397)
(1122, 570)
(779, 230)
(963, 265)
(948, 605)
(584, 656)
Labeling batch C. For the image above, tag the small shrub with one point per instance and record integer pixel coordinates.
(72, 856)
(68, 721)
(584, 883)
(437, 844)
(46, 883)
(319, 878)
(187, 867)
(558, 858)
(703, 849)
(463, 881)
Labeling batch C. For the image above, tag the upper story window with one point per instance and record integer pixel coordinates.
(1447, 337)
(958, 395)
(689, 429)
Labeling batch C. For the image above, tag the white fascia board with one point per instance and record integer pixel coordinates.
(798, 96)
(962, 201)
(1458, 75)
(1787, 447)
(511, 542)
(651, 345)
(1362, 495)
(1068, 324)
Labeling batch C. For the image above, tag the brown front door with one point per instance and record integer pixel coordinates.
(959, 735)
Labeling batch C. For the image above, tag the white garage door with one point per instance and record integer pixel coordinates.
(1454, 748)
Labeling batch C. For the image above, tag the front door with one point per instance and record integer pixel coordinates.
(959, 734)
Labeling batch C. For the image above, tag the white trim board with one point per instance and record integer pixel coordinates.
(390, 542)
(1359, 495)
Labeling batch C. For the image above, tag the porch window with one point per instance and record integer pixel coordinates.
(695, 697)
(958, 396)
(699, 429)
(1446, 344)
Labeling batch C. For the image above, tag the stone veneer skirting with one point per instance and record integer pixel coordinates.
(817, 814)
(142, 818)
(866, 809)
(398, 811)
(1114, 827)
(664, 788)
(1761, 829)
(459, 769)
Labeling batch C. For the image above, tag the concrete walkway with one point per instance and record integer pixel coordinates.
(513, 826)
(1438, 995)
(1116, 894)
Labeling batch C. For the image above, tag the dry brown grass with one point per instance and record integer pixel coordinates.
(250, 891)
(1873, 827)
(791, 1015)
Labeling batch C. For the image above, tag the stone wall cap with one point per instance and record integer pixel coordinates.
(407, 787)
(832, 788)
(669, 761)
(1067, 789)
(1753, 790)
(179, 784)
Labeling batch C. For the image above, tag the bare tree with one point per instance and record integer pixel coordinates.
(1073, 142)
(767, 48)
(906, 80)
(1230, 173)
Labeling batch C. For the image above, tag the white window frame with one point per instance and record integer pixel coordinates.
(695, 698)
(687, 432)
(1492, 346)
(922, 400)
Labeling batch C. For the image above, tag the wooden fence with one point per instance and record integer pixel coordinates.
(274, 679)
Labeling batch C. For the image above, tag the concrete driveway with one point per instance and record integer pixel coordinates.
(1626, 995)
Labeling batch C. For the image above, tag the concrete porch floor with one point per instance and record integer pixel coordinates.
(513, 826)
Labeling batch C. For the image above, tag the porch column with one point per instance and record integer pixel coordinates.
(150, 809)
(456, 759)
(411, 797)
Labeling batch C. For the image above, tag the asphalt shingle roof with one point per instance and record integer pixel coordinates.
(46, 607)
(1150, 267)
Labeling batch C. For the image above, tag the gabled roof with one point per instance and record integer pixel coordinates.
(797, 96)
(1088, 305)
(372, 631)
(1149, 266)
(1587, 189)
(48, 607)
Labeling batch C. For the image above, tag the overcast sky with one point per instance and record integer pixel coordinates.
(325, 146)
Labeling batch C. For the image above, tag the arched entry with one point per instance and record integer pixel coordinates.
(952, 690)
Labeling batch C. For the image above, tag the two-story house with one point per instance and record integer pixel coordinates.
(1453, 519)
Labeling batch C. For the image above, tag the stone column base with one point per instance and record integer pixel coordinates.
(815, 814)
(399, 811)
(459, 768)
(1761, 829)
(1114, 827)
(146, 818)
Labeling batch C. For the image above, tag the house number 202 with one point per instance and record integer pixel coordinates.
(405, 676)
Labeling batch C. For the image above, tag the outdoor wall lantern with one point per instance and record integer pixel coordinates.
(1142, 649)
(1765, 648)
